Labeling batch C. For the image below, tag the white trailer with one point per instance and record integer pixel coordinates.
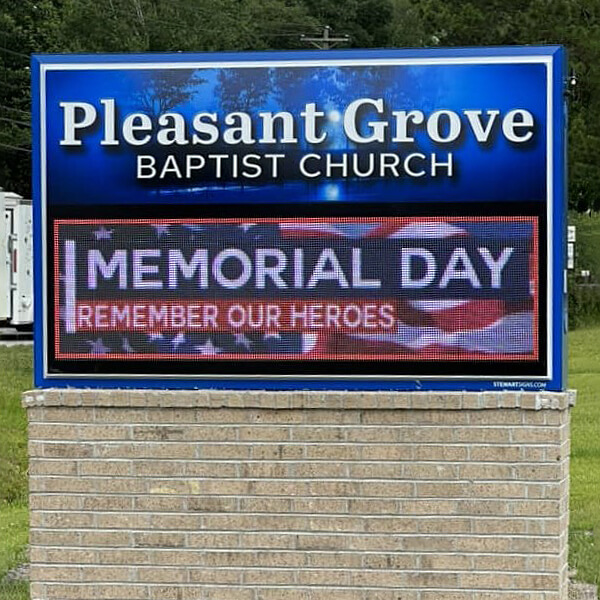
(16, 261)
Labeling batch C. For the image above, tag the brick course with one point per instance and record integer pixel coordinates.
(148, 495)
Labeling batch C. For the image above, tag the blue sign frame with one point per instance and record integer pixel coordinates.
(71, 160)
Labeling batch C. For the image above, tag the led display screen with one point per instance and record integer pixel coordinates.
(317, 220)
(384, 289)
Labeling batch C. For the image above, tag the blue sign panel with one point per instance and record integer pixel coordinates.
(316, 220)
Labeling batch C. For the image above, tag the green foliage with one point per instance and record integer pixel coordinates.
(14, 524)
(211, 25)
(587, 246)
(584, 304)
(186, 25)
(14, 590)
(28, 26)
(574, 24)
(584, 376)
(584, 294)
(370, 23)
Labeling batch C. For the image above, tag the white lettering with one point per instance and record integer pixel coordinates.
(333, 273)
(357, 278)
(434, 128)
(460, 267)
(71, 122)
(274, 271)
(208, 133)
(403, 118)
(310, 114)
(350, 122)
(406, 267)
(198, 262)
(145, 166)
(269, 121)
(175, 134)
(482, 134)
(109, 138)
(134, 123)
(140, 269)
(240, 131)
(244, 262)
(96, 262)
(518, 120)
(495, 266)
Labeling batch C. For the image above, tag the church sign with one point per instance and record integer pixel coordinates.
(382, 219)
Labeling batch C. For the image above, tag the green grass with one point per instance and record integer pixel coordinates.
(14, 521)
(15, 378)
(584, 376)
(13, 533)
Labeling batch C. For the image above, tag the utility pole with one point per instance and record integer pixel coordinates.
(326, 42)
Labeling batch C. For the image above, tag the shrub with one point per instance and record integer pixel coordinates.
(583, 304)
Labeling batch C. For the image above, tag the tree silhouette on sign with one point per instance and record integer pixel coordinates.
(163, 90)
(243, 89)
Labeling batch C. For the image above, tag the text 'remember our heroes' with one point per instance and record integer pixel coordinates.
(243, 130)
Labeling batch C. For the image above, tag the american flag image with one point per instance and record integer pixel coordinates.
(439, 328)
(445, 328)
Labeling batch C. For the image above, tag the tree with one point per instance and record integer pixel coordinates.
(30, 26)
(161, 91)
(243, 89)
(370, 23)
(573, 23)
(25, 27)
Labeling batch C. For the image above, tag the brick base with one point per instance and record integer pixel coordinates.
(281, 496)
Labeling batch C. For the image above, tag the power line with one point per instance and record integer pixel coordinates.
(24, 112)
(267, 34)
(3, 145)
(176, 25)
(15, 121)
(287, 25)
(326, 42)
(7, 51)
(190, 10)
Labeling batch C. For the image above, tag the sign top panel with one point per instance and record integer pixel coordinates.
(434, 118)
(438, 143)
